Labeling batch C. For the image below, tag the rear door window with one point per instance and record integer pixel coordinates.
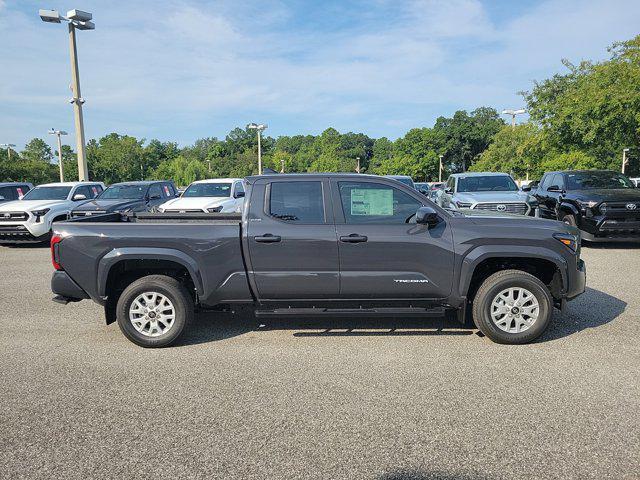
(155, 191)
(8, 193)
(297, 202)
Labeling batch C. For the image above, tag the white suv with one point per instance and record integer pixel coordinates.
(224, 195)
(30, 219)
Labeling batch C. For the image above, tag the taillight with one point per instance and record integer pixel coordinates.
(55, 254)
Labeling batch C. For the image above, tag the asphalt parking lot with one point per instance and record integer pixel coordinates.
(385, 399)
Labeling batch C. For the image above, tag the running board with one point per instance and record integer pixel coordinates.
(352, 312)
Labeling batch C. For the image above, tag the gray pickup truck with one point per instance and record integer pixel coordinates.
(320, 244)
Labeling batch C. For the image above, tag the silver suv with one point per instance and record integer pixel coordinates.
(494, 192)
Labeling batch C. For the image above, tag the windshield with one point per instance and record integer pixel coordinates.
(48, 193)
(124, 192)
(208, 190)
(493, 183)
(592, 180)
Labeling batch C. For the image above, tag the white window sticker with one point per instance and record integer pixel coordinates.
(372, 201)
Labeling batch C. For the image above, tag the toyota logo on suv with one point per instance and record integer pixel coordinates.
(501, 208)
(631, 206)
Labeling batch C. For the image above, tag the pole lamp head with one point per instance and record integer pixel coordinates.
(79, 15)
(49, 16)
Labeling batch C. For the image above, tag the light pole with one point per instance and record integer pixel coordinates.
(440, 170)
(81, 21)
(625, 151)
(358, 165)
(259, 127)
(8, 147)
(513, 114)
(57, 133)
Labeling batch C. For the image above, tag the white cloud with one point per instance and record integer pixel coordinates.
(196, 69)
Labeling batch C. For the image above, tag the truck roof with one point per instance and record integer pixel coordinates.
(218, 180)
(480, 174)
(141, 182)
(65, 184)
(315, 175)
(12, 184)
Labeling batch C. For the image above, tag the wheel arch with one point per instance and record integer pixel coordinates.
(122, 266)
(545, 264)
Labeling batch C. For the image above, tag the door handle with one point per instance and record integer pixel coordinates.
(353, 238)
(267, 238)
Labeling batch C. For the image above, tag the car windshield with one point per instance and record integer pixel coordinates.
(208, 190)
(48, 193)
(124, 192)
(490, 183)
(600, 180)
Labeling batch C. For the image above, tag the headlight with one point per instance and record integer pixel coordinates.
(214, 209)
(570, 241)
(462, 204)
(590, 204)
(39, 213)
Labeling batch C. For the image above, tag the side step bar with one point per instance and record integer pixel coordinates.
(352, 312)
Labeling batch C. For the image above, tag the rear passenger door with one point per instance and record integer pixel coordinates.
(291, 237)
(383, 252)
(156, 195)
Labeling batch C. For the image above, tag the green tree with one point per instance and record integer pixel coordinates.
(593, 108)
(181, 170)
(37, 149)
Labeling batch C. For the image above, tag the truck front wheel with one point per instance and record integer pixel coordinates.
(512, 307)
(154, 310)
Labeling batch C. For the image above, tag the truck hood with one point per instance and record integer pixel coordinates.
(29, 205)
(512, 220)
(606, 195)
(193, 203)
(108, 205)
(473, 197)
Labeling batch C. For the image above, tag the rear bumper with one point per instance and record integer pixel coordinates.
(65, 289)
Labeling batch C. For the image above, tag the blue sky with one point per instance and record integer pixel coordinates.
(182, 70)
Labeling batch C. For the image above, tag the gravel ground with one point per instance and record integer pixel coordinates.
(294, 400)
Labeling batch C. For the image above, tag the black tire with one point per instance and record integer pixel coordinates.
(497, 283)
(569, 219)
(174, 291)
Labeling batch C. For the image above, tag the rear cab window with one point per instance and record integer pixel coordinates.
(299, 202)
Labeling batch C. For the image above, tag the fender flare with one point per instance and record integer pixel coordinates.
(113, 257)
(568, 207)
(484, 252)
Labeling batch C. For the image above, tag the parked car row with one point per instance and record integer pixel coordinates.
(604, 205)
(27, 214)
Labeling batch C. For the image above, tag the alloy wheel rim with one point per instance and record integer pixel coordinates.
(152, 314)
(515, 310)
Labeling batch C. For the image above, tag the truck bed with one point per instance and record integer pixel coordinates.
(208, 246)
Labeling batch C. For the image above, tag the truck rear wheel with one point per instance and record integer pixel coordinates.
(512, 307)
(154, 310)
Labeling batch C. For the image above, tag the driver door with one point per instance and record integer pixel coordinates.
(383, 252)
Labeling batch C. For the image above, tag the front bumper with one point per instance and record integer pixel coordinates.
(20, 234)
(577, 280)
(611, 229)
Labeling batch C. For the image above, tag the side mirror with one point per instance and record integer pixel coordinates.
(427, 216)
(554, 188)
(154, 197)
(79, 196)
(526, 188)
(177, 195)
(448, 190)
(239, 195)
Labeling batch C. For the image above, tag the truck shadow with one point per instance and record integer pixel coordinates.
(419, 474)
(591, 310)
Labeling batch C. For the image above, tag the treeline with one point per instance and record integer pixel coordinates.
(580, 119)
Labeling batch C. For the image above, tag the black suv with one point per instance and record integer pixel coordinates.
(604, 204)
(128, 197)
